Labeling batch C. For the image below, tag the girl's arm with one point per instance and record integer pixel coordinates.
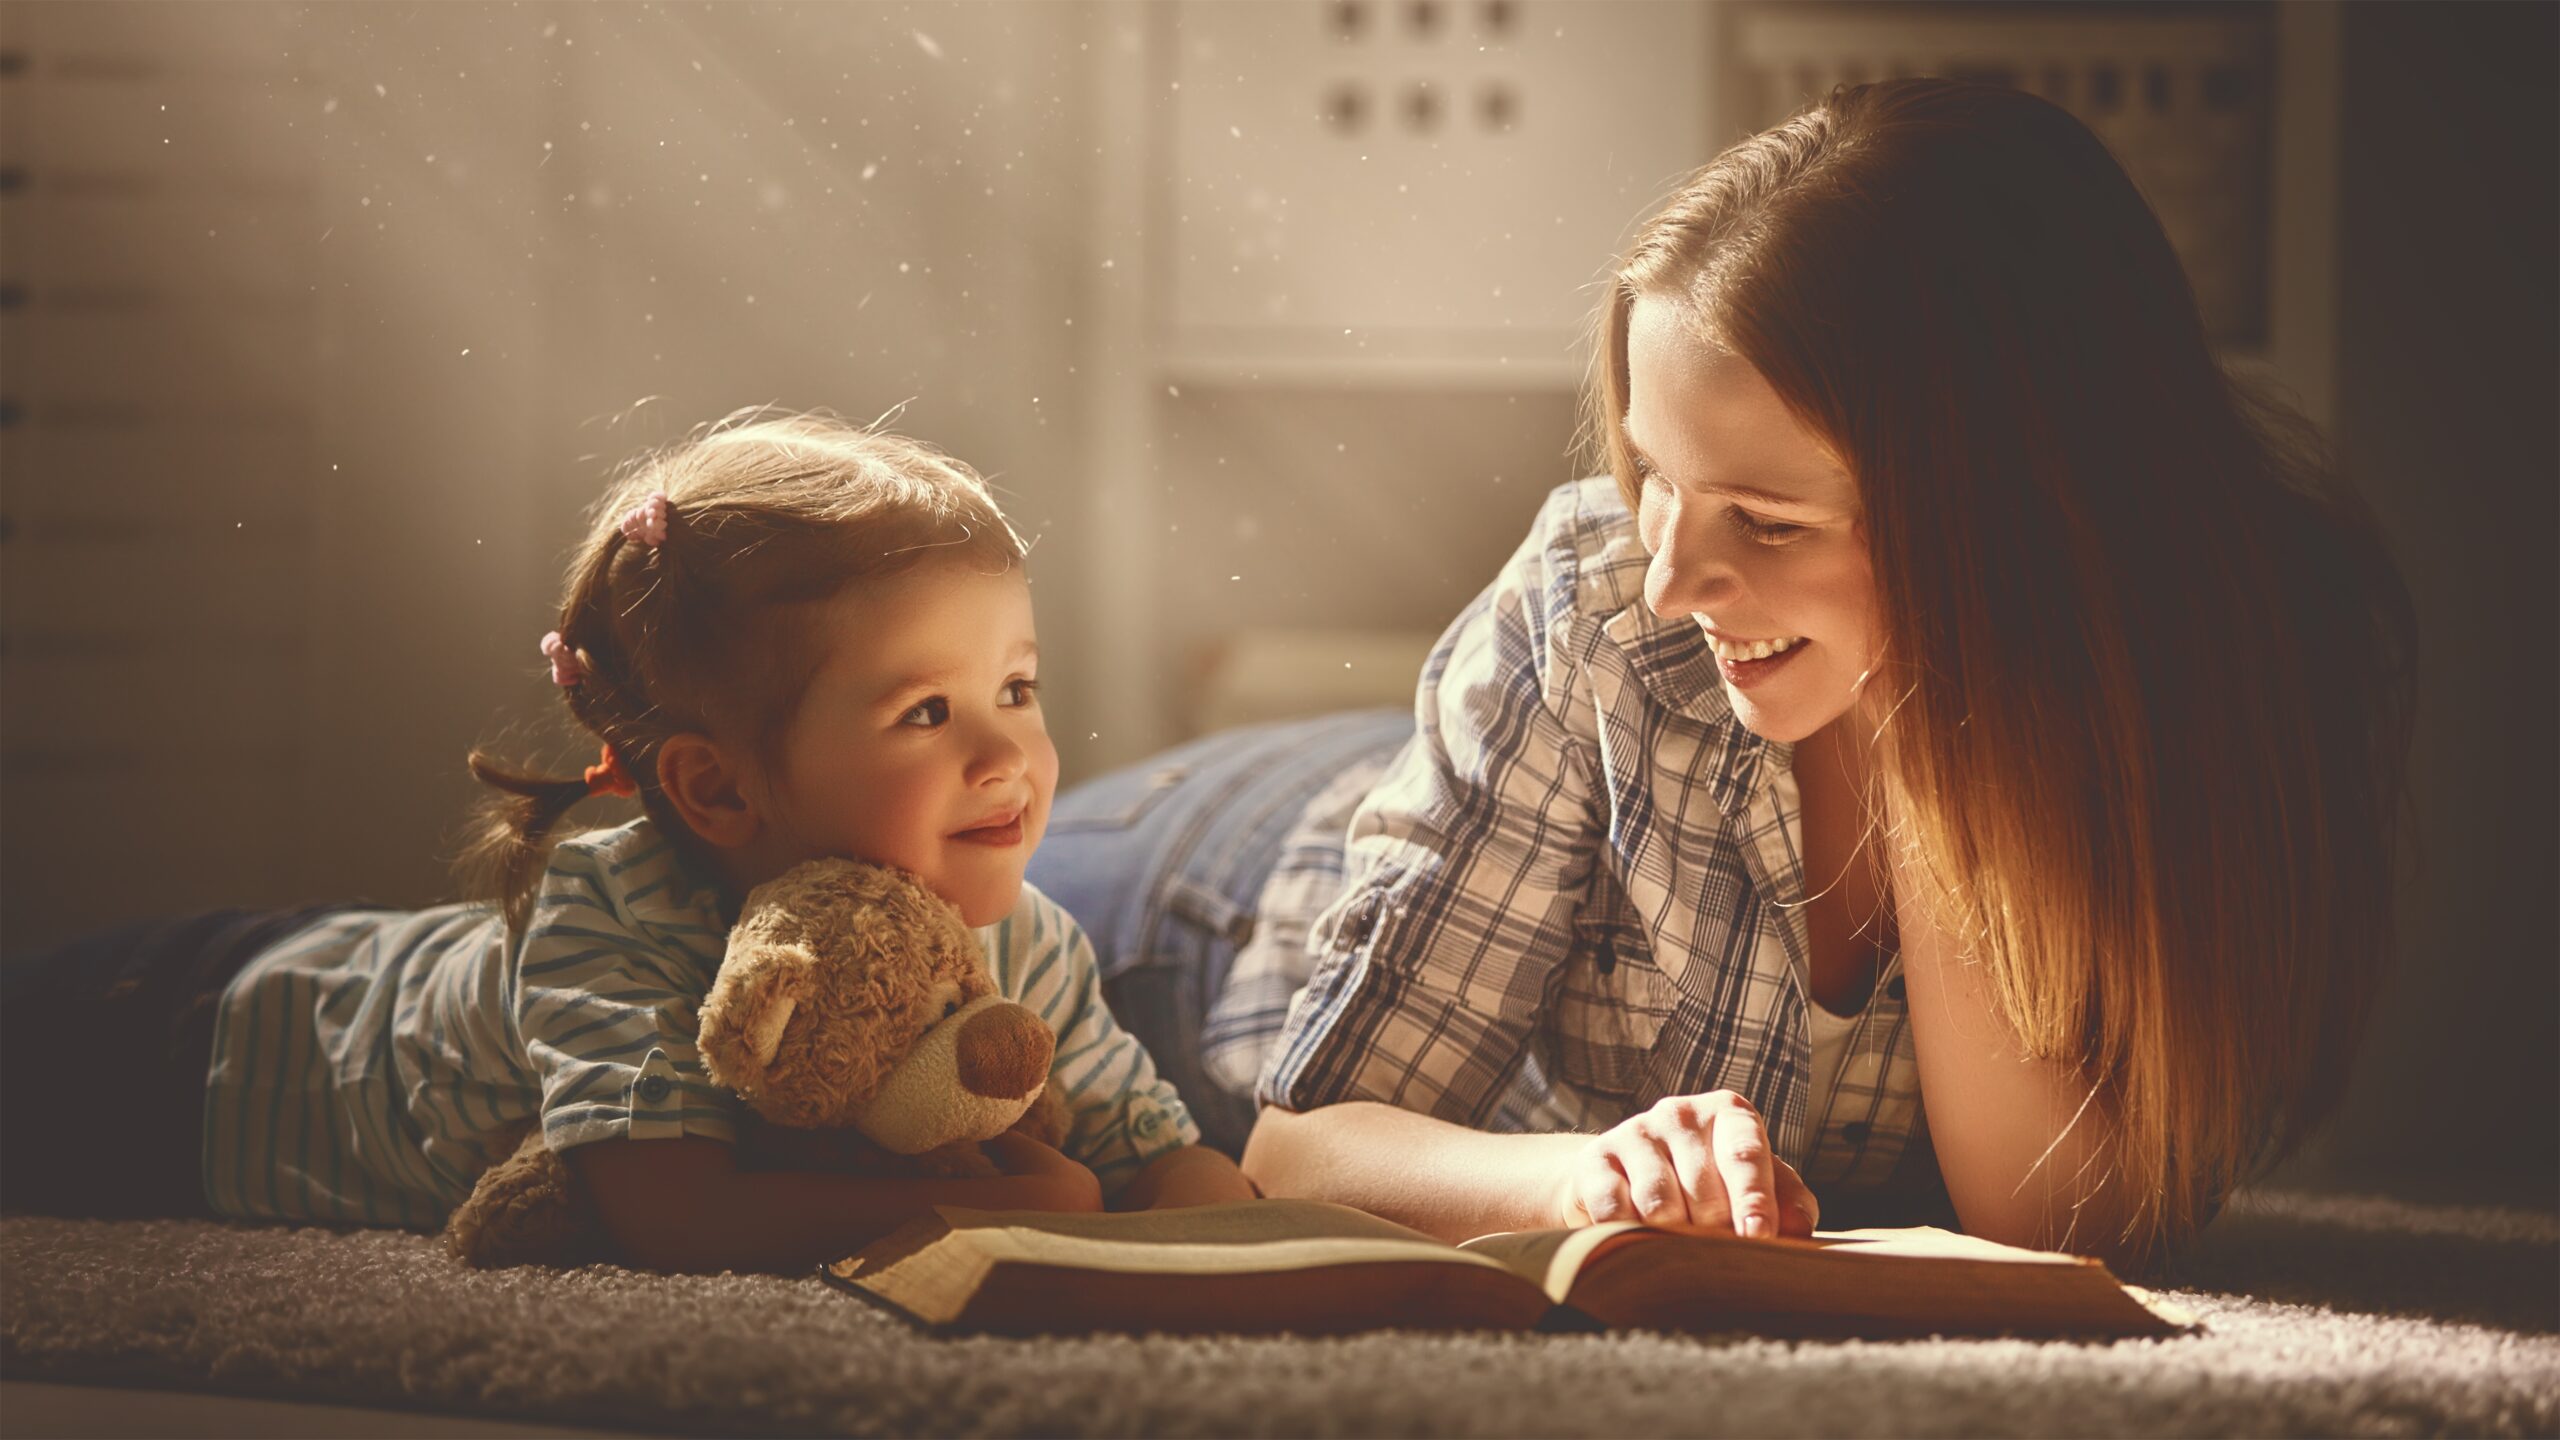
(2020, 1142)
(1188, 1175)
(682, 1204)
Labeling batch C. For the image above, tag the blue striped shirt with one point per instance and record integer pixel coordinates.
(1578, 890)
(368, 1069)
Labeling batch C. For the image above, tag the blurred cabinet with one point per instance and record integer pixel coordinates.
(2224, 115)
(1429, 186)
(1345, 253)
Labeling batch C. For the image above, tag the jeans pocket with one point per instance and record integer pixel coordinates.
(1115, 802)
(1199, 905)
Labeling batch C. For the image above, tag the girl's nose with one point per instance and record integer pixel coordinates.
(999, 757)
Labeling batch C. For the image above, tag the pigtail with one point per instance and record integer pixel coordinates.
(509, 838)
(507, 843)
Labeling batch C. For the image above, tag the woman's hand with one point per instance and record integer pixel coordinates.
(1694, 1163)
(1049, 1179)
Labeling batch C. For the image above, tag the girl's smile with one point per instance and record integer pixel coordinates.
(1002, 832)
(920, 744)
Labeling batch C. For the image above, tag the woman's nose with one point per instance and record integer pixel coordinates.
(1686, 576)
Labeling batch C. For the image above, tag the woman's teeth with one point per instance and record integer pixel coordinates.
(1752, 650)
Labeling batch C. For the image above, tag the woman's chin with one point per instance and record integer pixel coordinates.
(1775, 719)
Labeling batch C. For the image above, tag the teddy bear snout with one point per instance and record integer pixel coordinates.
(1004, 1052)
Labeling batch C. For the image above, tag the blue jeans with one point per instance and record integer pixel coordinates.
(105, 1045)
(1162, 864)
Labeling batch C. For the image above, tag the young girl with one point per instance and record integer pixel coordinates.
(793, 638)
(1948, 767)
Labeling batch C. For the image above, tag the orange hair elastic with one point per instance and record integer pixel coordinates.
(606, 776)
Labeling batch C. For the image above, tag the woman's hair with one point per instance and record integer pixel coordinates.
(2146, 679)
(711, 629)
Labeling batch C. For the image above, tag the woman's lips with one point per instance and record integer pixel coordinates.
(1743, 674)
(998, 833)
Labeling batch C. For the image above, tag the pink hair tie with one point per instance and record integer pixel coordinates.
(565, 669)
(647, 522)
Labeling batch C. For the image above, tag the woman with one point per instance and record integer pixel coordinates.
(1954, 756)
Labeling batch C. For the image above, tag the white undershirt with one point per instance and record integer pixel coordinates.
(1830, 1032)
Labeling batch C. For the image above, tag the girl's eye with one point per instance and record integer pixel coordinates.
(1767, 532)
(1020, 692)
(928, 714)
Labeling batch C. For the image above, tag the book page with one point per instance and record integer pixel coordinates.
(1900, 1280)
(1248, 1267)
(1548, 1259)
(1930, 1242)
(1233, 1238)
(1872, 1283)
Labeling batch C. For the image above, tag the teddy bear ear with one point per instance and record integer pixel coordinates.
(747, 1010)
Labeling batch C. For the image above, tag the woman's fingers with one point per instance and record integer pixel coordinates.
(1798, 1211)
(1653, 1185)
(1684, 1142)
(1748, 1169)
(1600, 1187)
(1699, 1163)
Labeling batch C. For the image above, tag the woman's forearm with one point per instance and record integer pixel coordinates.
(1442, 1179)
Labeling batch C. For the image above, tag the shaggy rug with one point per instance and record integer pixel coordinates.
(2323, 1315)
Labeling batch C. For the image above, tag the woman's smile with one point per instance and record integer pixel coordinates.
(1746, 666)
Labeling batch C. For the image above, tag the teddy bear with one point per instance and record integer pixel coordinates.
(854, 1015)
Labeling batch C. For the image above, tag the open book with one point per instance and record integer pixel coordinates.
(1313, 1268)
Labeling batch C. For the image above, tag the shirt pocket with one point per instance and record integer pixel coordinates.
(1610, 1005)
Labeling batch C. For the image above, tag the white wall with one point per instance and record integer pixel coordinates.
(454, 260)
(468, 241)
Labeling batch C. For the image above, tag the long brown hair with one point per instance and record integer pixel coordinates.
(2146, 680)
(769, 511)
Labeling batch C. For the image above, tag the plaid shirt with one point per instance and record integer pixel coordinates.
(1578, 890)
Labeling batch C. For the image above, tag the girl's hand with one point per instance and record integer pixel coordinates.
(1694, 1163)
(1050, 1179)
(1187, 1175)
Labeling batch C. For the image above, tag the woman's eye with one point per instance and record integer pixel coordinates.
(1018, 693)
(1766, 531)
(927, 714)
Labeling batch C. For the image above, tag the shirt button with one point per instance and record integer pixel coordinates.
(654, 1089)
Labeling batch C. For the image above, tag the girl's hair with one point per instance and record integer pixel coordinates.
(712, 629)
(2146, 679)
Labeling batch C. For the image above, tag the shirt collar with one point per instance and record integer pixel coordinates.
(1672, 660)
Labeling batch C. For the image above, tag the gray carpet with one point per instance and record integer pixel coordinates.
(2324, 1316)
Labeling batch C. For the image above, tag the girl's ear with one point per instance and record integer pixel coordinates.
(708, 790)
